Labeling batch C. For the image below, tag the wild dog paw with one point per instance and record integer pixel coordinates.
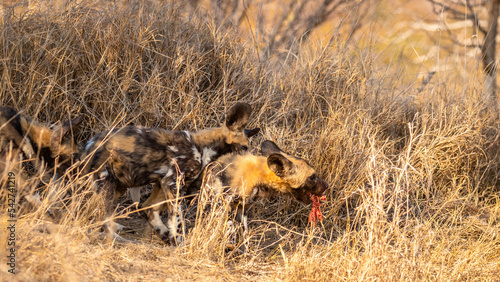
(28, 149)
(168, 239)
(162, 233)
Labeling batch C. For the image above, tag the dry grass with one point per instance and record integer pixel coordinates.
(413, 175)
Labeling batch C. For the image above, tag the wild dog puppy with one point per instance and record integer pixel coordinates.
(24, 140)
(243, 178)
(136, 156)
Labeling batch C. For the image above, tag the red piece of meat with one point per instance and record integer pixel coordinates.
(315, 215)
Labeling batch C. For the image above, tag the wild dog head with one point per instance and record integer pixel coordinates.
(53, 143)
(294, 171)
(243, 178)
(233, 134)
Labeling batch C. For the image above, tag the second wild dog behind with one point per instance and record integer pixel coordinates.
(134, 156)
(24, 140)
(243, 178)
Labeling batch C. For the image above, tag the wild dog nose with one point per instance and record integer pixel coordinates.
(321, 187)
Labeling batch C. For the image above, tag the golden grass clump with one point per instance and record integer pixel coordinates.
(413, 173)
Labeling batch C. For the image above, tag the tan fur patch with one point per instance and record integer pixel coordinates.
(250, 172)
(40, 133)
(302, 172)
(204, 137)
(127, 144)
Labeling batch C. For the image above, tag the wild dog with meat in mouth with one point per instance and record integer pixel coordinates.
(135, 156)
(243, 178)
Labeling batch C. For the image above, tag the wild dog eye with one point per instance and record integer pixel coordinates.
(244, 148)
(311, 179)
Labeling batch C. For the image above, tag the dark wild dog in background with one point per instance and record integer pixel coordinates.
(243, 178)
(23, 140)
(135, 156)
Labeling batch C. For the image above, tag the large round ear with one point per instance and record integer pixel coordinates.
(61, 129)
(280, 165)
(269, 147)
(238, 116)
(251, 132)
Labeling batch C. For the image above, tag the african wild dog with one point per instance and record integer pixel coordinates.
(136, 156)
(243, 178)
(23, 140)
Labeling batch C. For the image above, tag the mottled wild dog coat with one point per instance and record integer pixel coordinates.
(135, 156)
(25, 140)
(243, 178)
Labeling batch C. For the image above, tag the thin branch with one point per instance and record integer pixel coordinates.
(475, 19)
(458, 42)
(456, 14)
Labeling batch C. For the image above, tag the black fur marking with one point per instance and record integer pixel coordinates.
(249, 133)
(238, 116)
(280, 165)
(268, 148)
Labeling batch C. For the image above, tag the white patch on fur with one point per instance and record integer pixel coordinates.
(103, 173)
(188, 135)
(90, 143)
(165, 170)
(208, 153)
(245, 224)
(181, 157)
(196, 154)
(173, 223)
(135, 194)
(254, 192)
(34, 199)
(27, 148)
(157, 223)
(173, 149)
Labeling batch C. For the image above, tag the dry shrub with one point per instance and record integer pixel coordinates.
(413, 173)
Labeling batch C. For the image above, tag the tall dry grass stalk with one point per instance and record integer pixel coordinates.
(413, 174)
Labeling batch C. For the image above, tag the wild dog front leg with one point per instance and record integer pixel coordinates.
(175, 217)
(238, 237)
(242, 219)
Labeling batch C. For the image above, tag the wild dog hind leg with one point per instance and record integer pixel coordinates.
(157, 197)
(111, 194)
